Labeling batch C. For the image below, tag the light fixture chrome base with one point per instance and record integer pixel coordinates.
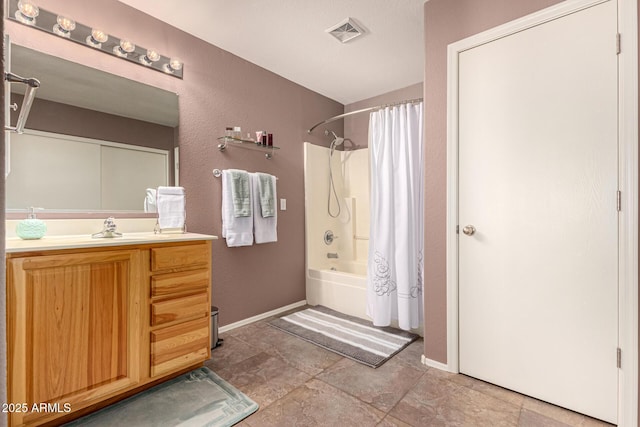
(46, 21)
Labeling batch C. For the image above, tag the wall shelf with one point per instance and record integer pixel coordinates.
(227, 141)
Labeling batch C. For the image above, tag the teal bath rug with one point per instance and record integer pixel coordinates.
(349, 336)
(197, 399)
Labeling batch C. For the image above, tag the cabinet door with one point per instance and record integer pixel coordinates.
(73, 326)
(179, 346)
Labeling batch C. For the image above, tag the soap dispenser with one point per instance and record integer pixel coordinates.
(31, 228)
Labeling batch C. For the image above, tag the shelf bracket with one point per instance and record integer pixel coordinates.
(250, 145)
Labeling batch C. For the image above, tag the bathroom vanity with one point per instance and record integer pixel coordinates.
(90, 321)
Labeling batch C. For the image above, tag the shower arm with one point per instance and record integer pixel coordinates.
(364, 110)
(29, 95)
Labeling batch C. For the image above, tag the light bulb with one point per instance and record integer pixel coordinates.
(125, 47)
(99, 36)
(175, 64)
(64, 26)
(151, 57)
(96, 38)
(27, 12)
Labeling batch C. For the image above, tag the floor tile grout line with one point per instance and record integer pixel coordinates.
(367, 403)
(355, 397)
(519, 405)
(405, 395)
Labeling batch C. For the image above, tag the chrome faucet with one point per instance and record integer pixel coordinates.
(332, 255)
(108, 230)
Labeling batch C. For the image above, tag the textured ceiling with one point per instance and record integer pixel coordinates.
(288, 38)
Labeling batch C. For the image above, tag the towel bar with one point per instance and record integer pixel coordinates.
(218, 173)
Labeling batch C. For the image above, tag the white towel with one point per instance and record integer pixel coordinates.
(150, 201)
(264, 229)
(171, 205)
(237, 230)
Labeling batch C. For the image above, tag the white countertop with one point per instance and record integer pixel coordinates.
(15, 244)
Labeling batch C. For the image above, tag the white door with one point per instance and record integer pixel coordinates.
(538, 281)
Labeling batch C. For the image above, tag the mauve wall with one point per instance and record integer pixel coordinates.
(218, 90)
(356, 127)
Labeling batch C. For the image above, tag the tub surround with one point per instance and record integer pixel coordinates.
(338, 282)
(350, 171)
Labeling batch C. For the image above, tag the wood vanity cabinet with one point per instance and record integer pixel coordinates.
(88, 325)
(180, 306)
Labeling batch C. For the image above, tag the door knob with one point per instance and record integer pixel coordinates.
(469, 230)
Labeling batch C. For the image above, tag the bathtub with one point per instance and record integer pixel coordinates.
(343, 289)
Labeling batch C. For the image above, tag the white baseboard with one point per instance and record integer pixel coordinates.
(435, 364)
(252, 319)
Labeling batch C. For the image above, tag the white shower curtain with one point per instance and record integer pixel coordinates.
(396, 239)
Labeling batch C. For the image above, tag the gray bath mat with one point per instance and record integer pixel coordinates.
(198, 398)
(348, 336)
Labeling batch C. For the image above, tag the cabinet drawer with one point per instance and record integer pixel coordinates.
(184, 308)
(166, 258)
(179, 346)
(183, 282)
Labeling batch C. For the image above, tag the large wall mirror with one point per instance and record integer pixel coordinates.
(93, 141)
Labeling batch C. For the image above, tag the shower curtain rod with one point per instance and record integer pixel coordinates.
(364, 110)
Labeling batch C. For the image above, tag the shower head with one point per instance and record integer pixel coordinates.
(337, 141)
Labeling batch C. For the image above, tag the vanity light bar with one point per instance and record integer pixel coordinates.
(28, 13)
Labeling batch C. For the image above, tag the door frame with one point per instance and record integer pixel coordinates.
(627, 182)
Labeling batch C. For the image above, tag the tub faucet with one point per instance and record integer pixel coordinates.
(332, 255)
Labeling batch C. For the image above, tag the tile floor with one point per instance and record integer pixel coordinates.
(299, 384)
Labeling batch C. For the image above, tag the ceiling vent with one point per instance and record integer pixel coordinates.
(345, 30)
